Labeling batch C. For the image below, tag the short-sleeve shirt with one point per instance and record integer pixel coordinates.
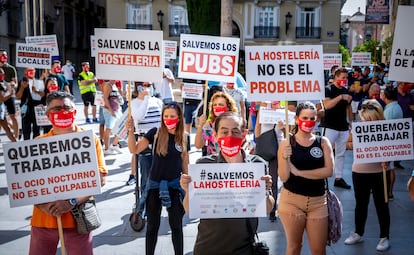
(336, 117)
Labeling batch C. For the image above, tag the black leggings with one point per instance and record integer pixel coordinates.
(175, 218)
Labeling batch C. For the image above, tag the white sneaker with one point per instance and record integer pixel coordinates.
(353, 239)
(383, 244)
(109, 152)
(116, 149)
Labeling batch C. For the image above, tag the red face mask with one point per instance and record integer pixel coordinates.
(86, 69)
(405, 88)
(52, 87)
(171, 123)
(62, 119)
(3, 59)
(375, 97)
(218, 110)
(30, 74)
(57, 69)
(356, 75)
(230, 145)
(2, 77)
(306, 125)
(230, 85)
(342, 83)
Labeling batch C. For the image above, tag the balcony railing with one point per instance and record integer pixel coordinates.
(139, 26)
(266, 32)
(308, 32)
(176, 30)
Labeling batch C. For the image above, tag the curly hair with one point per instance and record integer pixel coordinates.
(231, 104)
(371, 110)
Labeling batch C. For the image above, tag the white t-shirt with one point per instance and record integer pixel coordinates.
(165, 88)
(68, 71)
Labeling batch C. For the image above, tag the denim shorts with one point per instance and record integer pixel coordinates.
(2, 111)
(109, 119)
(292, 204)
(188, 113)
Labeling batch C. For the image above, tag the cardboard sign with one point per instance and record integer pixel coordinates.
(52, 168)
(29, 55)
(361, 58)
(41, 117)
(382, 141)
(208, 57)
(134, 55)
(284, 72)
(170, 49)
(227, 190)
(330, 60)
(402, 55)
(49, 41)
(192, 91)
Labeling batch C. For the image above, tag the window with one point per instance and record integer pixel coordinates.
(266, 22)
(138, 16)
(308, 23)
(178, 20)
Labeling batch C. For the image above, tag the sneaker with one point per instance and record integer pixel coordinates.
(88, 120)
(353, 239)
(116, 149)
(341, 184)
(109, 152)
(398, 165)
(383, 244)
(95, 120)
(131, 180)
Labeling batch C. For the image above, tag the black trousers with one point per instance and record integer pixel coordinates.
(29, 125)
(175, 219)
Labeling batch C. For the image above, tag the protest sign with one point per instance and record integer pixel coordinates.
(120, 126)
(273, 116)
(28, 55)
(330, 60)
(284, 72)
(52, 168)
(210, 58)
(192, 91)
(377, 12)
(49, 41)
(41, 117)
(227, 190)
(361, 58)
(402, 55)
(170, 49)
(134, 55)
(382, 141)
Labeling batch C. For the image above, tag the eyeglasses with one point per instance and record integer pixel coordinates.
(369, 107)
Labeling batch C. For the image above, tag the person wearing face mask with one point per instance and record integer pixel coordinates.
(55, 72)
(87, 88)
(44, 237)
(30, 92)
(304, 162)
(374, 92)
(69, 71)
(220, 102)
(227, 235)
(51, 85)
(4, 95)
(357, 89)
(170, 160)
(368, 179)
(335, 122)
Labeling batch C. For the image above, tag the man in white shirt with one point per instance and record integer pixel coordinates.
(165, 88)
(68, 71)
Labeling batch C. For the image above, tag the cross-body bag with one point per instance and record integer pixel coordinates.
(259, 247)
(86, 216)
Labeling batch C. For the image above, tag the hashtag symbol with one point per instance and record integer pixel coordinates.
(203, 174)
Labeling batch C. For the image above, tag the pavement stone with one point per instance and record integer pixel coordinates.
(115, 236)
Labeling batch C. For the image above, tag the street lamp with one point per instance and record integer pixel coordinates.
(58, 7)
(160, 17)
(288, 20)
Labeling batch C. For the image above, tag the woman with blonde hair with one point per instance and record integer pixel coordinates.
(170, 160)
(220, 102)
(368, 178)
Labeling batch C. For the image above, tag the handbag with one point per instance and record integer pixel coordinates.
(259, 247)
(335, 212)
(267, 145)
(86, 217)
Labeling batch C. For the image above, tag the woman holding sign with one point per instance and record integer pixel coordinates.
(170, 160)
(367, 179)
(303, 165)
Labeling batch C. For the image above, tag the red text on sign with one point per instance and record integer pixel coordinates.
(208, 63)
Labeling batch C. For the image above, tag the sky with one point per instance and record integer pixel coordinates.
(351, 7)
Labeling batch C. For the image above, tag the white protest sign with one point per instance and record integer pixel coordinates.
(192, 91)
(170, 49)
(361, 58)
(284, 72)
(273, 116)
(211, 58)
(330, 60)
(52, 168)
(120, 126)
(227, 190)
(29, 55)
(402, 55)
(93, 46)
(41, 117)
(381, 141)
(134, 55)
(49, 41)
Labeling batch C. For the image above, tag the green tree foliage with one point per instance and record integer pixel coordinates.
(373, 47)
(346, 57)
(204, 16)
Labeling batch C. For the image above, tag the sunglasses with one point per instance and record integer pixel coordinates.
(171, 105)
(369, 107)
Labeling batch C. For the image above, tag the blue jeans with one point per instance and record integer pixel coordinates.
(145, 162)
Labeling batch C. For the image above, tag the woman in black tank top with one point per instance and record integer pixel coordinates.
(303, 164)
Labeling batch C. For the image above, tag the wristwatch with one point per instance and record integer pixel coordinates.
(73, 201)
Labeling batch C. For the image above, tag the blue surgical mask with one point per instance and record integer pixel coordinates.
(386, 80)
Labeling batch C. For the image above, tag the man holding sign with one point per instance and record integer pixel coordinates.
(44, 233)
(227, 235)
